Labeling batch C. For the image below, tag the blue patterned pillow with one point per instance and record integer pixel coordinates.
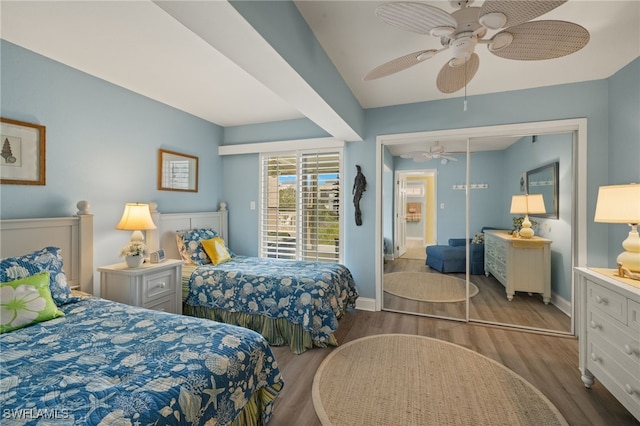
(189, 245)
(49, 259)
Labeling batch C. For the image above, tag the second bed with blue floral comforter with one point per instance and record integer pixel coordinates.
(289, 302)
(106, 363)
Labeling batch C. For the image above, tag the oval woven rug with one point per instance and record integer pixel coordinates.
(427, 287)
(400, 379)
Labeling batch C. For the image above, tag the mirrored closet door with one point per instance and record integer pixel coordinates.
(435, 209)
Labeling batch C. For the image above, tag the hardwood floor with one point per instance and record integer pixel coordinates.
(548, 362)
(490, 304)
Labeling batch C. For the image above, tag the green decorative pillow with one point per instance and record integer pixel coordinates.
(25, 302)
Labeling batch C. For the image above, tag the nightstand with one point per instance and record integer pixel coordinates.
(153, 285)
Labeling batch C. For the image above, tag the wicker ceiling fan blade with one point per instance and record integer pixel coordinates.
(540, 40)
(517, 12)
(399, 64)
(419, 18)
(451, 79)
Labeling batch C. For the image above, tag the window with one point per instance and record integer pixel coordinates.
(300, 206)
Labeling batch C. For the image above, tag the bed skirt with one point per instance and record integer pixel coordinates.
(277, 331)
(259, 408)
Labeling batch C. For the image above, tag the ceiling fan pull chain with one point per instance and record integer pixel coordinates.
(465, 86)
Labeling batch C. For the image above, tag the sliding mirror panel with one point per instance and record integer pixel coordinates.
(424, 209)
(526, 283)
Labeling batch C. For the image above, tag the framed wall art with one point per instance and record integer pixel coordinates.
(177, 172)
(22, 160)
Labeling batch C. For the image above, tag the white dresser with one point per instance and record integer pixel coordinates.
(520, 264)
(609, 333)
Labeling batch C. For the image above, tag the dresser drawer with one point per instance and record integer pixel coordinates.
(619, 380)
(633, 316)
(607, 301)
(622, 339)
(164, 305)
(158, 285)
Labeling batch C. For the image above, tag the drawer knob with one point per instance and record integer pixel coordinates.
(628, 350)
(162, 284)
(594, 357)
(594, 325)
(629, 389)
(601, 300)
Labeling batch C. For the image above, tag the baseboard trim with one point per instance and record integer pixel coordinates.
(563, 304)
(366, 304)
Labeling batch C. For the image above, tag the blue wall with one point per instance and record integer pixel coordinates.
(102, 144)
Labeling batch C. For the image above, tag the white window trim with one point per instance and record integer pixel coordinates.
(341, 218)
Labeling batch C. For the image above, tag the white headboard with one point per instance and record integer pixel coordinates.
(73, 235)
(165, 236)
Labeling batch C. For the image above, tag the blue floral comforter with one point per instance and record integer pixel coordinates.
(312, 294)
(106, 363)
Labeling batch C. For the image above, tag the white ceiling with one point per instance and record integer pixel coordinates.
(202, 57)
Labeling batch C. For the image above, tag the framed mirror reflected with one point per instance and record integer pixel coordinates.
(177, 171)
(544, 180)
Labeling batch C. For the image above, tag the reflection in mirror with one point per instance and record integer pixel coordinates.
(177, 172)
(544, 180)
(495, 169)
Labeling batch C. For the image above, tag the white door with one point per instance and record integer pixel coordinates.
(401, 219)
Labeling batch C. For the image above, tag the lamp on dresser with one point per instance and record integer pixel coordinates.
(137, 218)
(621, 204)
(527, 204)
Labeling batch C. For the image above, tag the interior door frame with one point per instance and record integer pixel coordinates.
(404, 174)
(577, 126)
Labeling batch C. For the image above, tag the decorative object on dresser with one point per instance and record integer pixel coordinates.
(520, 264)
(136, 217)
(609, 333)
(621, 204)
(22, 161)
(527, 204)
(152, 286)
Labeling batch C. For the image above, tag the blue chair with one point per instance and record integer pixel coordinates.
(452, 258)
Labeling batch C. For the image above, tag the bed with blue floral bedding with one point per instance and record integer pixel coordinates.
(295, 303)
(66, 359)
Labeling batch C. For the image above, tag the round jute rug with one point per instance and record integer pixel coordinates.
(427, 287)
(399, 379)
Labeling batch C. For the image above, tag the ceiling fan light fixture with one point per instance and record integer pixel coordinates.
(427, 54)
(458, 62)
(442, 31)
(493, 20)
(500, 41)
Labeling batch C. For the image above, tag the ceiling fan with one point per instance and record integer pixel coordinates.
(460, 31)
(437, 151)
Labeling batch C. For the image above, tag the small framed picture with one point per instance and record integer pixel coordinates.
(22, 160)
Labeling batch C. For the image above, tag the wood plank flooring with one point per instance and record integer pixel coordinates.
(490, 304)
(548, 362)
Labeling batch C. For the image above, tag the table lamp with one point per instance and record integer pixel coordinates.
(621, 204)
(526, 204)
(137, 218)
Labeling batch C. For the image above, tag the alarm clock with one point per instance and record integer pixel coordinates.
(157, 256)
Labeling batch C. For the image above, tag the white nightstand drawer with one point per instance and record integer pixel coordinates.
(607, 301)
(158, 285)
(164, 305)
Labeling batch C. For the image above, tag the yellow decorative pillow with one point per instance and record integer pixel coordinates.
(216, 250)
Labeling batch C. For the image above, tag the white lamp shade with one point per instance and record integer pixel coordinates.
(618, 204)
(136, 217)
(527, 204)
